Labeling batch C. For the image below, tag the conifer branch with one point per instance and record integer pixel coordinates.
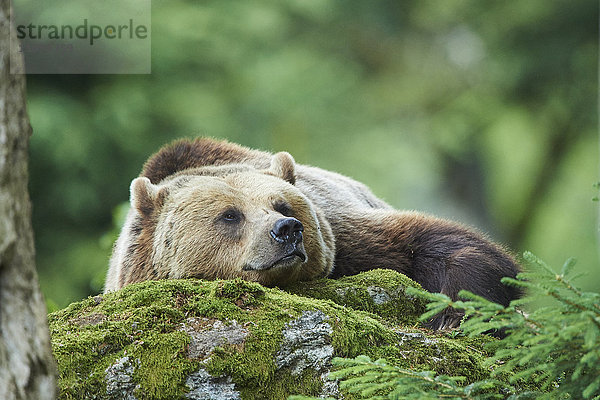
(551, 352)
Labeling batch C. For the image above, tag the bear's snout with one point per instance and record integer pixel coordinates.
(285, 250)
(287, 231)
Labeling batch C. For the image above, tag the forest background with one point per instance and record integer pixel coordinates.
(481, 112)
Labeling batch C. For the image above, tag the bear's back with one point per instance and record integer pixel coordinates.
(330, 191)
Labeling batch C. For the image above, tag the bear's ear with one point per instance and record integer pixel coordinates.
(283, 166)
(145, 196)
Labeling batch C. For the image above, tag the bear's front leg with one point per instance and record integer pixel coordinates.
(441, 255)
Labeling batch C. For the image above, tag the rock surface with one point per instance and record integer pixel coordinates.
(306, 343)
(204, 386)
(119, 379)
(238, 340)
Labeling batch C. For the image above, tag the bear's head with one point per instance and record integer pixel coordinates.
(226, 222)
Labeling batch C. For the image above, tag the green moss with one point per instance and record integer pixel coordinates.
(379, 291)
(241, 292)
(144, 322)
(309, 383)
(139, 322)
(163, 373)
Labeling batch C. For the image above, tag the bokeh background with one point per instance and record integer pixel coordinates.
(480, 111)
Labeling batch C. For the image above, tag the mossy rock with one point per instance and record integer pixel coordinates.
(238, 340)
(379, 291)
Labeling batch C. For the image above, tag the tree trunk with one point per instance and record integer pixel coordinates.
(27, 368)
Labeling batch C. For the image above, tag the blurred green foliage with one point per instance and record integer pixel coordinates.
(484, 112)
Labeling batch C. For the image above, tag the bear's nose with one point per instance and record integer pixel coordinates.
(287, 230)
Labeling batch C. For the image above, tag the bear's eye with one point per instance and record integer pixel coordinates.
(231, 216)
(283, 208)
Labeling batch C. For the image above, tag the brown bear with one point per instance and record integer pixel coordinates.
(188, 185)
(222, 223)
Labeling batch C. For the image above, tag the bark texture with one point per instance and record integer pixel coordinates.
(27, 368)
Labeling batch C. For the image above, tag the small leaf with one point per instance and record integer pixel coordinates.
(591, 389)
(591, 336)
(567, 266)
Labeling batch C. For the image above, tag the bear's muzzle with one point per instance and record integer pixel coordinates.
(288, 238)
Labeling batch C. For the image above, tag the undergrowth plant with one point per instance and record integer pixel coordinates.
(554, 348)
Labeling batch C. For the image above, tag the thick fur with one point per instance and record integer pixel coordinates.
(176, 229)
(442, 256)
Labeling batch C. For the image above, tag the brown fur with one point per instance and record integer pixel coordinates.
(430, 250)
(175, 229)
(182, 154)
(441, 255)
